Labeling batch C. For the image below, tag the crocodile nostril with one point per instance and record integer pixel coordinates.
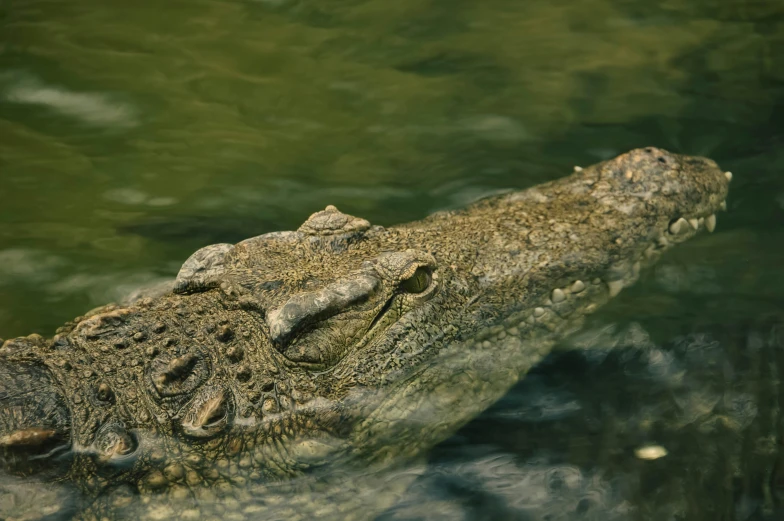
(661, 159)
(104, 393)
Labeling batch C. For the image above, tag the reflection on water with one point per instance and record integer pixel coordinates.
(133, 134)
(94, 109)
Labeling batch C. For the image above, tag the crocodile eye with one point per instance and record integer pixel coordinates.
(418, 282)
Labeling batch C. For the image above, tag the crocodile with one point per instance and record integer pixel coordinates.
(290, 357)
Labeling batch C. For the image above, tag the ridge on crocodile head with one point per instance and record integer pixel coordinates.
(341, 342)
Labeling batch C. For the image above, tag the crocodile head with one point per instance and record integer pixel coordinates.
(341, 341)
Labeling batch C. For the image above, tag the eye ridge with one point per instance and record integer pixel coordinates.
(419, 281)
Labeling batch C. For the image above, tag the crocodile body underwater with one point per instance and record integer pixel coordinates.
(290, 357)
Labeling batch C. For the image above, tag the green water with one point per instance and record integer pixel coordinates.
(132, 133)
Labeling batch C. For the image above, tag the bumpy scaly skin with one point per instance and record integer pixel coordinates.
(339, 344)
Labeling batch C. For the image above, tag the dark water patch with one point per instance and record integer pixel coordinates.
(198, 230)
(447, 63)
(708, 399)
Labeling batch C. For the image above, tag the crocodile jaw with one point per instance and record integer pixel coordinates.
(557, 288)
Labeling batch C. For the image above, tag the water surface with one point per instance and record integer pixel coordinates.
(132, 134)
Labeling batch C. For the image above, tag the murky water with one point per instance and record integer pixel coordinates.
(133, 133)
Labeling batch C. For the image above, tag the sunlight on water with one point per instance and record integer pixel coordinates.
(94, 109)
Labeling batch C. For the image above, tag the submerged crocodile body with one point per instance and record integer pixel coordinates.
(338, 346)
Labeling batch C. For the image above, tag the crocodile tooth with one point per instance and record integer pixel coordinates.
(558, 295)
(694, 223)
(578, 168)
(662, 241)
(679, 226)
(723, 205)
(728, 175)
(578, 286)
(701, 222)
(710, 222)
(615, 287)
